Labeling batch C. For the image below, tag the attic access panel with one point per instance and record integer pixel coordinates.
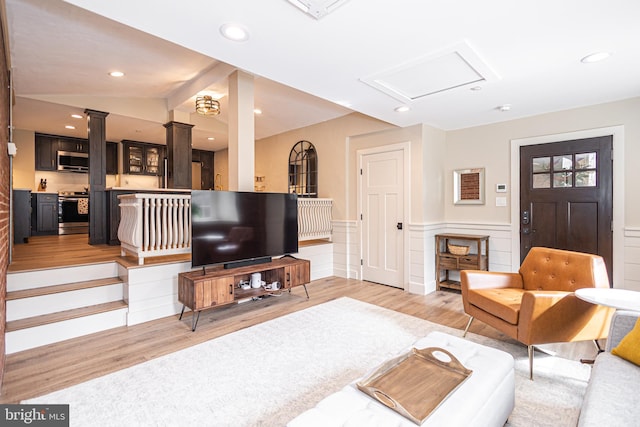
(447, 69)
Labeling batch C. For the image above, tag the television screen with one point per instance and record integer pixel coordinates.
(229, 226)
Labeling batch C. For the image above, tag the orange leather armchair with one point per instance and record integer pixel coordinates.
(537, 305)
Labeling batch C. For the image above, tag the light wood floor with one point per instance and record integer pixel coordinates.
(45, 369)
(72, 249)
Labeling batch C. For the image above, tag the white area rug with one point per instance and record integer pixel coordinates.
(267, 374)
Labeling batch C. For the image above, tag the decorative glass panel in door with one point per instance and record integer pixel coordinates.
(153, 160)
(135, 159)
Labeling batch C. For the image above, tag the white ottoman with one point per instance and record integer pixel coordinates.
(486, 398)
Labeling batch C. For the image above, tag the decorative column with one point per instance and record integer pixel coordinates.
(178, 155)
(241, 132)
(96, 127)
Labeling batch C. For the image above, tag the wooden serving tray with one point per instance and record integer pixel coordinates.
(416, 383)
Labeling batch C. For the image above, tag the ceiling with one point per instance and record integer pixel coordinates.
(453, 64)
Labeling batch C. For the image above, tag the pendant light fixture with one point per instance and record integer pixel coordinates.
(207, 106)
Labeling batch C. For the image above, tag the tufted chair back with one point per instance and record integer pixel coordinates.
(549, 269)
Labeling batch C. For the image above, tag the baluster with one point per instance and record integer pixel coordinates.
(153, 221)
(180, 226)
(160, 224)
(187, 223)
(144, 230)
(173, 234)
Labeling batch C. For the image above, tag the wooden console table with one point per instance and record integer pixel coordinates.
(447, 261)
(218, 287)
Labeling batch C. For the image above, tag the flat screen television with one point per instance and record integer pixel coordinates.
(242, 228)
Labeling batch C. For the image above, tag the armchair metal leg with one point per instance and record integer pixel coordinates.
(600, 350)
(467, 328)
(530, 349)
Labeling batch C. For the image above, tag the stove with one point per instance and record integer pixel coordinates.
(73, 212)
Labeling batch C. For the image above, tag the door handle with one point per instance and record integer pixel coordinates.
(399, 226)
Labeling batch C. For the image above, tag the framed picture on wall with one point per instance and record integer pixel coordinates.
(468, 186)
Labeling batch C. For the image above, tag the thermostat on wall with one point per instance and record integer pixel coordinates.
(501, 188)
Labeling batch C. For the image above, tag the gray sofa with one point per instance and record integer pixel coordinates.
(612, 393)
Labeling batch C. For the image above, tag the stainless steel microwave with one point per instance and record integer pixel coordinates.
(69, 161)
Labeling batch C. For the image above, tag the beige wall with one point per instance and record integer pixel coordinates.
(221, 168)
(24, 161)
(434, 175)
(330, 139)
(421, 193)
(436, 154)
(489, 147)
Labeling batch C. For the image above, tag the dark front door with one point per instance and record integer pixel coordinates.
(566, 197)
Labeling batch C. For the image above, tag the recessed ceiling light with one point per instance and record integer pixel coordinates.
(257, 111)
(116, 74)
(70, 127)
(504, 107)
(595, 57)
(235, 32)
(476, 88)
(77, 116)
(402, 109)
(211, 138)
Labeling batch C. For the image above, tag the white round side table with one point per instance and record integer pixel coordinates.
(622, 299)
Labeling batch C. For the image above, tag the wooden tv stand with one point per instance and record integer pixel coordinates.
(218, 287)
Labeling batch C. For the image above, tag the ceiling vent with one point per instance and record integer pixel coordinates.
(444, 70)
(317, 8)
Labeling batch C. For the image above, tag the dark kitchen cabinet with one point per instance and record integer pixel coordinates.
(75, 145)
(205, 158)
(141, 158)
(112, 158)
(46, 152)
(44, 214)
(21, 216)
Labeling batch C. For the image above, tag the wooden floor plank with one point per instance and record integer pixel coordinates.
(48, 368)
(61, 316)
(59, 251)
(56, 289)
(45, 369)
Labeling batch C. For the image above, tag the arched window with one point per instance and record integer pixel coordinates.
(303, 170)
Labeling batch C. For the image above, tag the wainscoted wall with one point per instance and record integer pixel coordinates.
(421, 264)
(421, 257)
(152, 291)
(321, 257)
(346, 249)
(422, 278)
(631, 260)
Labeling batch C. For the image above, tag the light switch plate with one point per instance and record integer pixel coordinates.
(501, 201)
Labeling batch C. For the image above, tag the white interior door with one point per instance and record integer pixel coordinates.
(382, 218)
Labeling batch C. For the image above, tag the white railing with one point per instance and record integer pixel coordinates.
(160, 224)
(154, 224)
(314, 219)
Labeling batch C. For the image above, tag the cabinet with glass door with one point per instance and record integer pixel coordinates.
(141, 158)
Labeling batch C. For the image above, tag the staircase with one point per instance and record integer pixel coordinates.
(51, 305)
